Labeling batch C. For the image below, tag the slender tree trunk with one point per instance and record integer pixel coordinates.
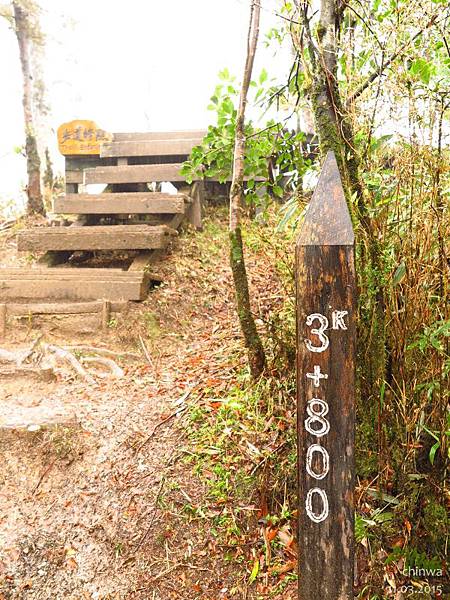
(252, 340)
(34, 191)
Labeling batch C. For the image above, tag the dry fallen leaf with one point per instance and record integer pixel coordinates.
(72, 564)
(271, 533)
(281, 569)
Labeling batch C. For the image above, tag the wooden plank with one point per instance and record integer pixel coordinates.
(143, 262)
(74, 177)
(81, 137)
(176, 221)
(326, 332)
(159, 147)
(61, 308)
(146, 259)
(106, 237)
(78, 163)
(74, 289)
(159, 135)
(120, 203)
(134, 174)
(66, 274)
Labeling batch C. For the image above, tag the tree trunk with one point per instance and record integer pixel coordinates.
(256, 356)
(335, 133)
(34, 192)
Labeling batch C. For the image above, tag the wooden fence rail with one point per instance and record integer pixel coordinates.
(326, 312)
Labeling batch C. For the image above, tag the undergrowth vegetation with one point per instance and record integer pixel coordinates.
(242, 440)
(389, 63)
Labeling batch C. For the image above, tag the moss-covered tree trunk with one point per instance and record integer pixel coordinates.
(23, 29)
(256, 356)
(335, 133)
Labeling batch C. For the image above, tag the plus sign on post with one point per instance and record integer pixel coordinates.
(326, 309)
(316, 376)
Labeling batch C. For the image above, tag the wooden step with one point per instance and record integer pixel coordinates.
(124, 203)
(106, 237)
(134, 174)
(158, 147)
(159, 135)
(52, 284)
(61, 308)
(67, 273)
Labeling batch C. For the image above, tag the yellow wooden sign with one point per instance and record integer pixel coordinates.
(81, 137)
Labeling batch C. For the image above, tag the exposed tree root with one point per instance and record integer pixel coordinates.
(103, 352)
(116, 371)
(42, 359)
(73, 361)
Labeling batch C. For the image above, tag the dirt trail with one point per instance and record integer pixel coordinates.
(86, 510)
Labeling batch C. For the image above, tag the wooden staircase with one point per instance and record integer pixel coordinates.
(126, 216)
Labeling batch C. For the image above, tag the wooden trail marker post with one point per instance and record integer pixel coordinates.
(326, 335)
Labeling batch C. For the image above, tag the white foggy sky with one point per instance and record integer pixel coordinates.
(139, 65)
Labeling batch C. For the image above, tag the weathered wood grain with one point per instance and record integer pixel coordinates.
(325, 283)
(120, 203)
(74, 177)
(106, 237)
(134, 174)
(69, 284)
(158, 135)
(142, 261)
(73, 289)
(155, 147)
(61, 308)
(327, 221)
(66, 273)
(78, 163)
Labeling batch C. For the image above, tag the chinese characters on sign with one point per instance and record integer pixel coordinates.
(81, 137)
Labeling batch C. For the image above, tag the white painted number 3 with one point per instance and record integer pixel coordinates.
(323, 338)
(337, 319)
